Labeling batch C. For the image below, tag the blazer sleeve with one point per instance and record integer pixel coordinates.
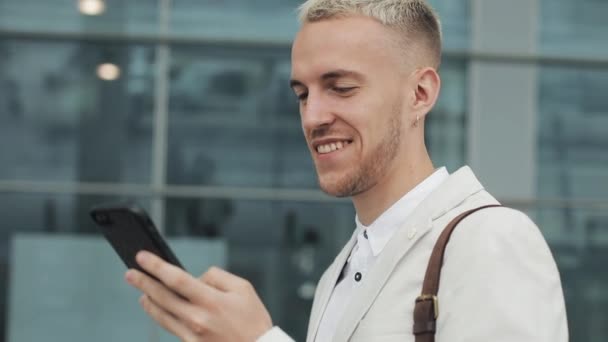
(499, 282)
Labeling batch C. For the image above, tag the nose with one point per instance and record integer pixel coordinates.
(315, 113)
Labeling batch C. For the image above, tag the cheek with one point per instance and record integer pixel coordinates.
(366, 114)
(372, 119)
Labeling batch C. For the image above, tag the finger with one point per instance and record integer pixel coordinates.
(176, 279)
(169, 302)
(163, 296)
(224, 281)
(166, 320)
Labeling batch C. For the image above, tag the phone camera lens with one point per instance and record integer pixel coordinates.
(102, 219)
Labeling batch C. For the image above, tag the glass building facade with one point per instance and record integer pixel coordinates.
(184, 108)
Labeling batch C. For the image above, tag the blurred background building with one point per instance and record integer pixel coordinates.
(184, 108)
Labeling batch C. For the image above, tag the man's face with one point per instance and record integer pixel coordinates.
(348, 76)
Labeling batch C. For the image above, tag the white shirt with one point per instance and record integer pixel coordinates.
(370, 243)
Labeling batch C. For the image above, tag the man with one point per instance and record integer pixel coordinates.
(365, 73)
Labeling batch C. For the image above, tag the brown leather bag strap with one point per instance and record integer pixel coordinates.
(426, 309)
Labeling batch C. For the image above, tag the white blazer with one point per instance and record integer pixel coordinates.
(499, 281)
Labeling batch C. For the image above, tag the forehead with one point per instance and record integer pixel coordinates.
(354, 43)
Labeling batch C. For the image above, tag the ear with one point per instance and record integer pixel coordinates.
(426, 84)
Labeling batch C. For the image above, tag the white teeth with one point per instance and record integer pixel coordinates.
(327, 148)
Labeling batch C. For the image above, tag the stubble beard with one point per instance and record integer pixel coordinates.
(363, 178)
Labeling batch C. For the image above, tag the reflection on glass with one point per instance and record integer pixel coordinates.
(580, 247)
(108, 71)
(281, 247)
(234, 121)
(75, 16)
(446, 123)
(455, 17)
(261, 20)
(91, 7)
(44, 214)
(572, 164)
(573, 133)
(65, 122)
(276, 20)
(574, 28)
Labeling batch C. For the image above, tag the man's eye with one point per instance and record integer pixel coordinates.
(302, 97)
(343, 90)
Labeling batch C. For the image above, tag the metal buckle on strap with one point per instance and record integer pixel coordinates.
(426, 297)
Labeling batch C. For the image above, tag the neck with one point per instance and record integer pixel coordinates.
(394, 185)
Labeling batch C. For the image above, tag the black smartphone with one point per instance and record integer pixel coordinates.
(129, 230)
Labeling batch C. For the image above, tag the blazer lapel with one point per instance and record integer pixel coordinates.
(326, 286)
(378, 275)
(449, 195)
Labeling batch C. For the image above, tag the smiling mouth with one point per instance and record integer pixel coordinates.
(332, 147)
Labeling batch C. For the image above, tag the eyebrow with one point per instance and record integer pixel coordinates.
(329, 76)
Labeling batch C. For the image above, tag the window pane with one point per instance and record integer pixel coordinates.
(282, 247)
(64, 122)
(276, 20)
(234, 120)
(265, 20)
(455, 17)
(41, 216)
(446, 124)
(578, 238)
(574, 27)
(573, 133)
(63, 16)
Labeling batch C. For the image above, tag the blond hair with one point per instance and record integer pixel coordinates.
(414, 20)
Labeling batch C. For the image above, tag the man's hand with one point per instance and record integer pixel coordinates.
(218, 306)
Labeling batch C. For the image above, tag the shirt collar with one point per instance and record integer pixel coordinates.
(383, 228)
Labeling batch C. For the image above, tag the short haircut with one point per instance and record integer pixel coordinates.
(415, 20)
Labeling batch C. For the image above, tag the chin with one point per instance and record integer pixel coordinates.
(334, 192)
(338, 187)
(329, 186)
